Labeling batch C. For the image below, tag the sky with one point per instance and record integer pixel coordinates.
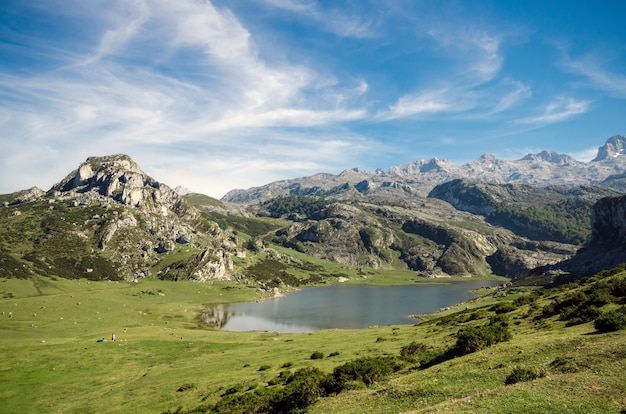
(219, 95)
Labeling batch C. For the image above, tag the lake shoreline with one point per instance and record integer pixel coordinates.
(349, 306)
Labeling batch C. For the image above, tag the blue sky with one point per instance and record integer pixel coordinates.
(217, 95)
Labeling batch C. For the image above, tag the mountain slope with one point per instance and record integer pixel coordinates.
(558, 214)
(428, 236)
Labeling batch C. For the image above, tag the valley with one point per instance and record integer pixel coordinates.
(110, 250)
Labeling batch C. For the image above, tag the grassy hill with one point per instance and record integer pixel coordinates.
(166, 359)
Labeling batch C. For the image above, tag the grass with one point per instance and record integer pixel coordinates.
(165, 358)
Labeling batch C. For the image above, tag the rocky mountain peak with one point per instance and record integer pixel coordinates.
(433, 165)
(118, 178)
(551, 157)
(613, 148)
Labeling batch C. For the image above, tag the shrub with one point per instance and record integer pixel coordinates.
(475, 338)
(610, 321)
(317, 355)
(233, 390)
(243, 403)
(524, 300)
(303, 388)
(366, 369)
(565, 365)
(523, 375)
(504, 307)
(264, 367)
(414, 348)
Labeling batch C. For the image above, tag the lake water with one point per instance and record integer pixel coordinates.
(343, 306)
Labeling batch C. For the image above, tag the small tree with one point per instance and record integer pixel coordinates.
(610, 321)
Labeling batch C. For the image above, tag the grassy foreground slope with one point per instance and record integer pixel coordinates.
(166, 360)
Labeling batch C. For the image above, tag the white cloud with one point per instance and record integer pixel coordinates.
(557, 111)
(586, 154)
(412, 105)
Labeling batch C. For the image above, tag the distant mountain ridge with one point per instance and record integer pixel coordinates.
(418, 178)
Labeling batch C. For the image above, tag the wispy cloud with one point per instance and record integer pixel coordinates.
(597, 76)
(520, 93)
(475, 61)
(557, 111)
(476, 49)
(344, 23)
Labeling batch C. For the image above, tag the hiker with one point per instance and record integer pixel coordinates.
(113, 337)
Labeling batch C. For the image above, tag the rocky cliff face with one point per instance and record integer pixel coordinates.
(606, 248)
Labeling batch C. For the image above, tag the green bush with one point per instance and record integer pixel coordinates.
(412, 349)
(504, 307)
(611, 321)
(474, 338)
(525, 300)
(303, 388)
(523, 375)
(317, 355)
(367, 370)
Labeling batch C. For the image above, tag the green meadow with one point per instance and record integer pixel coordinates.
(165, 359)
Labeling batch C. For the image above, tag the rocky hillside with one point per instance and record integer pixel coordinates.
(109, 220)
(418, 178)
(427, 235)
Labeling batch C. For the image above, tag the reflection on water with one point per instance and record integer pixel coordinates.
(345, 307)
(215, 315)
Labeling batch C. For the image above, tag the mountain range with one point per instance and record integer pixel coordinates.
(109, 220)
(418, 178)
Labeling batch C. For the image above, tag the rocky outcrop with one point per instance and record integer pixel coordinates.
(120, 179)
(25, 196)
(551, 157)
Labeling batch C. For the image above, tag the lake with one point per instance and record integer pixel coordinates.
(343, 306)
